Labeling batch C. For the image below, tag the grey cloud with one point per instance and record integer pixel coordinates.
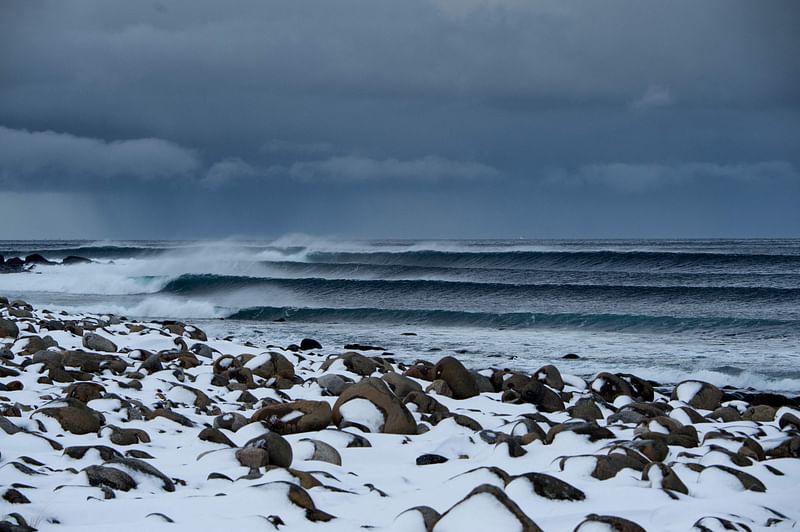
(289, 147)
(639, 177)
(227, 172)
(358, 168)
(29, 157)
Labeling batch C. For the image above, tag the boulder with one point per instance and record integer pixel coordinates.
(279, 452)
(396, 417)
(550, 376)
(486, 507)
(294, 417)
(610, 386)
(8, 329)
(307, 344)
(545, 399)
(85, 391)
(95, 342)
(143, 467)
(697, 394)
(617, 524)
(457, 377)
(334, 384)
(401, 385)
(73, 259)
(550, 487)
(215, 435)
(76, 417)
(109, 477)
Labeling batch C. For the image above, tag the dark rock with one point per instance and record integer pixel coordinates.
(545, 399)
(278, 449)
(439, 387)
(145, 468)
(552, 488)
(608, 466)
(610, 386)
(359, 364)
(428, 514)
(789, 421)
(169, 414)
(76, 417)
(214, 435)
(665, 477)
(8, 329)
(14, 496)
(84, 391)
(95, 342)
(759, 413)
(426, 404)
(123, 437)
(401, 385)
(594, 431)
(725, 414)
(324, 452)
(37, 259)
(749, 482)
(585, 409)
(79, 451)
(550, 376)
(231, 421)
(570, 356)
(278, 366)
(72, 259)
(618, 524)
(429, 459)
(111, 477)
(334, 384)
(457, 377)
(308, 344)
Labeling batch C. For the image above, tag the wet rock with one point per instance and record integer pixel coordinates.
(73, 259)
(457, 377)
(110, 477)
(307, 344)
(397, 418)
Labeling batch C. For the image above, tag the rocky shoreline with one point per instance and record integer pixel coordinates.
(108, 423)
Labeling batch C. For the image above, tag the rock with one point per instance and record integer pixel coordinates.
(429, 459)
(299, 497)
(14, 496)
(726, 414)
(789, 421)
(231, 421)
(662, 475)
(95, 342)
(294, 417)
(585, 409)
(617, 524)
(36, 258)
(123, 437)
(84, 391)
(278, 366)
(401, 385)
(422, 370)
(152, 364)
(545, 399)
(8, 329)
(485, 508)
(610, 386)
(408, 518)
(166, 413)
(439, 387)
(608, 466)
(110, 477)
(698, 394)
(76, 417)
(278, 449)
(457, 377)
(28, 345)
(426, 404)
(759, 413)
(215, 435)
(333, 384)
(593, 430)
(552, 488)
(307, 344)
(396, 417)
(749, 482)
(72, 259)
(140, 466)
(359, 364)
(550, 376)
(252, 458)
(324, 452)
(79, 451)
(570, 356)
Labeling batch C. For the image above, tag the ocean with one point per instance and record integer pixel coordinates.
(726, 311)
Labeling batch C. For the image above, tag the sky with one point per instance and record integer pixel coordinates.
(403, 119)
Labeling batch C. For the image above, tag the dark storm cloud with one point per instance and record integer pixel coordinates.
(435, 113)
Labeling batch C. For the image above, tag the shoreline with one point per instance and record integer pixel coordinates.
(155, 419)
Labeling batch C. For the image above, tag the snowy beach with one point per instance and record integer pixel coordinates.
(121, 424)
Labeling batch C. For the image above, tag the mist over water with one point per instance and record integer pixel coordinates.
(724, 310)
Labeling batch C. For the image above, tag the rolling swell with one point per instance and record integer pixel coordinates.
(601, 260)
(209, 283)
(523, 320)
